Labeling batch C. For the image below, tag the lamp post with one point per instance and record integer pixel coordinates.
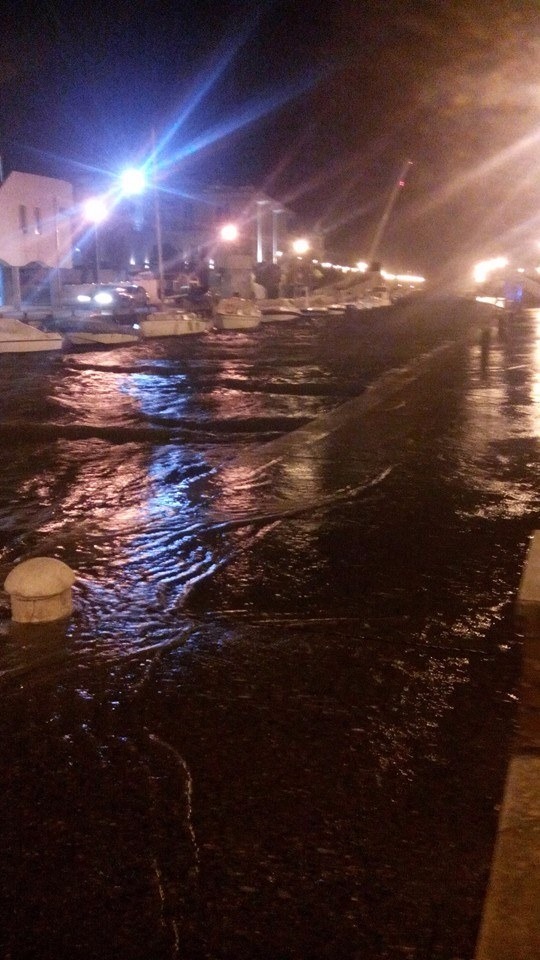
(260, 250)
(228, 235)
(300, 248)
(95, 211)
(275, 214)
(133, 181)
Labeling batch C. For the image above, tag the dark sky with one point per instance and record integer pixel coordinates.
(318, 102)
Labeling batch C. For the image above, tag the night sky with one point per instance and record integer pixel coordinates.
(318, 103)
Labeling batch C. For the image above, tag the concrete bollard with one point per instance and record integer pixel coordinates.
(40, 590)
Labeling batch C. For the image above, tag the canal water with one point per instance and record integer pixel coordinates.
(276, 725)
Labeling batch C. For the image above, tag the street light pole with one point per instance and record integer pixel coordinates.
(275, 214)
(95, 211)
(96, 251)
(133, 182)
(157, 214)
(400, 182)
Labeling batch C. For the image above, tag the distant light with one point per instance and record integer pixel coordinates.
(362, 265)
(132, 181)
(409, 278)
(229, 232)
(300, 246)
(95, 209)
(521, 269)
(482, 270)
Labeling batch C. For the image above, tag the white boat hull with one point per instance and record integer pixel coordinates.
(173, 323)
(279, 316)
(225, 321)
(83, 338)
(19, 337)
(235, 313)
(277, 311)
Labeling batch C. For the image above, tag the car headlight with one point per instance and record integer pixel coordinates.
(83, 298)
(103, 298)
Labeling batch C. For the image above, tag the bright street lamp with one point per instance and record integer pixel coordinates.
(132, 181)
(229, 232)
(300, 246)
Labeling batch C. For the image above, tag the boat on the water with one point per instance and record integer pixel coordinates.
(96, 331)
(99, 338)
(276, 311)
(371, 300)
(236, 313)
(173, 323)
(318, 312)
(16, 336)
(336, 309)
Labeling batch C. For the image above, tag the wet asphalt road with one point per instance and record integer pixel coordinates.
(277, 723)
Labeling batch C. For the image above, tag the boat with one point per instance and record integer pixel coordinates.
(276, 311)
(370, 300)
(319, 312)
(378, 296)
(236, 313)
(95, 330)
(103, 338)
(173, 323)
(16, 336)
(336, 309)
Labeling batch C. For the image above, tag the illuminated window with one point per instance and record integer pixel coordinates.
(23, 219)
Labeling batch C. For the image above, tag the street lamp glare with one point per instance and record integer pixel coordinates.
(95, 209)
(300, 246)
(132, 181)
(229, 232)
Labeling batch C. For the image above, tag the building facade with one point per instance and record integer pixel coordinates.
(35, 239)
(181, 232)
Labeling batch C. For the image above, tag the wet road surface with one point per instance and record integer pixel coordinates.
(277, 723)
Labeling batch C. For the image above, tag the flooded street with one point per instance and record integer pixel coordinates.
(276, 725)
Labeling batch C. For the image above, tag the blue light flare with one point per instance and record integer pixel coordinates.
(253, 110)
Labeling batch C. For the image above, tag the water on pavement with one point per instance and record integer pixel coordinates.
(277, 723)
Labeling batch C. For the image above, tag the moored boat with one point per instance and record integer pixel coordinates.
(103, 338)
(173, 323)
(19, 337)
(97, 331)
(276, 311)
(235, 313)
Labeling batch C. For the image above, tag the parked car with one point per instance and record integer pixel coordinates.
(106, 299)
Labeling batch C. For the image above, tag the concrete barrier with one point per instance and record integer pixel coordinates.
(510, 926)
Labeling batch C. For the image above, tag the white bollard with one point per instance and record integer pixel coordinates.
(40, 590)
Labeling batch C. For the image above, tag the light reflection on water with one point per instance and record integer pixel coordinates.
(274, 644)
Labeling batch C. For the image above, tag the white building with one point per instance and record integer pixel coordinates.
(35, 238)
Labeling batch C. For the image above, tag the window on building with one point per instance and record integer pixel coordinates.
(37, 220)
(23, 219)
